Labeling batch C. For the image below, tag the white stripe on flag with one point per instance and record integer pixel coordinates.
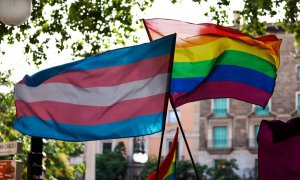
(96, 96)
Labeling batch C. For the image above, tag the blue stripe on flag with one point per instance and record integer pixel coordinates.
(138, 126)
(226, 73)
(185, 84)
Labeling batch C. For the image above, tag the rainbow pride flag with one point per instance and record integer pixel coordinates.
(213, 61)
(172, 169)
(168, 166)
(116, 94)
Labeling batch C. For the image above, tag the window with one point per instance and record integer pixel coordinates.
(220, 136)
(259, 111)
(169, 147)
(220, 107)
(172, 116)
(298, 103)
(253, 132)
(256, 129)
(106, 147)
(139, 144)
(298, 73)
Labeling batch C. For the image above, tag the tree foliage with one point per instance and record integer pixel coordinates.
(184, 169)
(58, 154)
(85, 27)
(7, 114)
(251, 21)
(149, 167)
(112, 165)
(224, 170)
(89, 27)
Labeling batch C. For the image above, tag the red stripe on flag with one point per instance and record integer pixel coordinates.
(91, 115)
(168, 26)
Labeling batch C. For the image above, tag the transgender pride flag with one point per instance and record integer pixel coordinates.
(117, 94)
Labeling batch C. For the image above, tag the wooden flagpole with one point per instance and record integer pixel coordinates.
(183, 134)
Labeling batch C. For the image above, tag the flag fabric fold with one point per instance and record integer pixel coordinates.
(116, 94)
(278, 150)
(167, 167)
(213, 61)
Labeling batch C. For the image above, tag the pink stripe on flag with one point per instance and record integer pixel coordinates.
(112, 76)
(91, 115)
(210, 90)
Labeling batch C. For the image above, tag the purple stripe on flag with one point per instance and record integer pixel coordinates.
(211, 90)
(91, 115)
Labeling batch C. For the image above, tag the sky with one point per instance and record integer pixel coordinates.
(185, 10)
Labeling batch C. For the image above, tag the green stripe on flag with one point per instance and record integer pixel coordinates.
(228, 57)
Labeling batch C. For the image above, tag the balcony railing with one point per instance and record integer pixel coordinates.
(220, 112)
(219, 143)
(219, 146)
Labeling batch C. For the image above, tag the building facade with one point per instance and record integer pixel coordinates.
(219, 129)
